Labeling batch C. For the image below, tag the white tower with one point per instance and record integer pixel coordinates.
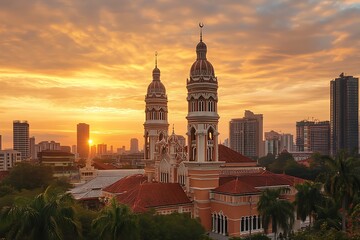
(202, 108)
(156, 121)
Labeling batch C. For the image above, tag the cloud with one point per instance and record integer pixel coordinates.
(66, 61)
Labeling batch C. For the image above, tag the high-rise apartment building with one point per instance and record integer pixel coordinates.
(101, 149)
(33, 148)
(272, 143)
(313, 136)
(134, 145)
(83, 136)
(246, 135)
(344, 113)
(21, 138)
(287, 142)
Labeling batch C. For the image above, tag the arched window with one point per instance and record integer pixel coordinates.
(193, 106)
(147, 145)
(211, 105)
(161, 115)
(182, 173)
(161, 136)
(201, 105)
(242, 224)
(210, 144)
(164, 171)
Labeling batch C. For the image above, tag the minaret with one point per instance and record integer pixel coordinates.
(156, 111)
(203, 165)
(202, 108)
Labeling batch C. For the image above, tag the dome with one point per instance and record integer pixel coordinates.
(201, 67)
(156, 87)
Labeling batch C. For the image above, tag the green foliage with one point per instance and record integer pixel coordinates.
(279, 212)
(47, 216)
(10, 198)
(175, 226)
(342, 181)
(116, 222)
(85, 218)
(285, 163)
(257, 236)
(307, 198)
(28, 176)
(325, 233)
(5, 190)
(266, 160)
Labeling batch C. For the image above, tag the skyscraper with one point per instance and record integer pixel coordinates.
(344, 113)
(272, 143)
(313, 136)
(83, 133)
(246, 134)
(33, 152)
(134, 145)
(21, 138)
(287, 142)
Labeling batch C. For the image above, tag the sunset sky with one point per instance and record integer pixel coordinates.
(68, 61)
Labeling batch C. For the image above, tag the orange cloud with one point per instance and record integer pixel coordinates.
(64, 62)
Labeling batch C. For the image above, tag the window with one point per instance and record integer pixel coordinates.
(193, 106)
(201, 105)
(211, 107)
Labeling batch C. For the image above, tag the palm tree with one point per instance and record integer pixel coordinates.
(307, 199)
(49, 216)
(342, 181)
(116, 222)
(272, 208)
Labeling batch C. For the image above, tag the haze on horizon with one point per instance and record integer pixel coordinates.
(68, 61)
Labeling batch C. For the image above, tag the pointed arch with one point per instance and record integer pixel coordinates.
(201, 104)
(164, 171)
(182, 174)
(161, 136)
(147, 145)
(210, 144)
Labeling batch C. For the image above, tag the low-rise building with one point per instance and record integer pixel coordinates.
(63, 163)
(8, 158)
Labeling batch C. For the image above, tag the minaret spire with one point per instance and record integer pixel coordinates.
(156, 53)
(173, 132)
(201, 25)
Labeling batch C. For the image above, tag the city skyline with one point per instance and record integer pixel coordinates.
(276, 59)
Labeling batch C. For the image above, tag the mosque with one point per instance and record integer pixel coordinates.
(197, 176)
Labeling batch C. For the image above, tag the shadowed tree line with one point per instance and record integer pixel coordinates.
(331, 202)
(43, 210)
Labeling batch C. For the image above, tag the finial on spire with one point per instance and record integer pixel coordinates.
(173, 130)
(156, 53)
(201, 25)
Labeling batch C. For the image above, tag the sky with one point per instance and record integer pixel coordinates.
(63, 62)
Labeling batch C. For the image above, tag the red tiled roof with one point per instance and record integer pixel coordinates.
(148, 195)
(126, 184)
(103, 166)
(236, 187)
(263, 179)
(230, 156)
